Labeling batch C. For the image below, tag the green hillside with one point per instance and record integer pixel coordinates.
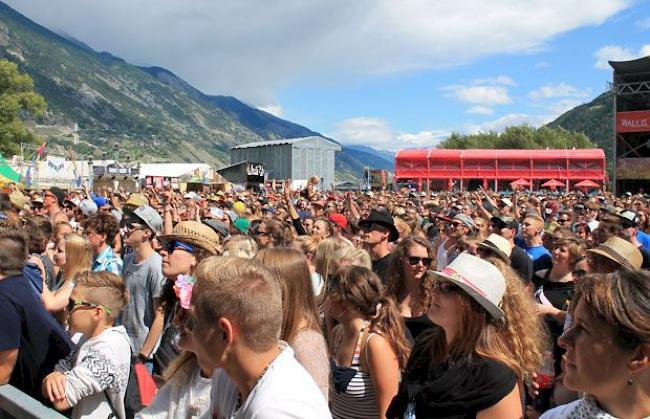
(594, 119)
(146, 113)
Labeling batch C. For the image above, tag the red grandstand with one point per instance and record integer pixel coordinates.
(443, 169)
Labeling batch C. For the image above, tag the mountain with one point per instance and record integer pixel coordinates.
(388, 156)
(594, 119)
(147, 113)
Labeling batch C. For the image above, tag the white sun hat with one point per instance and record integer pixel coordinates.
(479, 279)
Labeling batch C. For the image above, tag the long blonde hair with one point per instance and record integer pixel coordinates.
(521, 340)
(78, 256)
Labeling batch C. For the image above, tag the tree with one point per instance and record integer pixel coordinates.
(17, 98)
(520, 137)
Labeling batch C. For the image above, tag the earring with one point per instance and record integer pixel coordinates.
(629, 380)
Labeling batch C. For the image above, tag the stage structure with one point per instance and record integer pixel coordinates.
(631, 88)
(445, 169)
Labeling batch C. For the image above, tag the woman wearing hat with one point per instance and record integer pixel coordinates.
(474, 362)
(183, 249)
(608, 348)
(613, 255)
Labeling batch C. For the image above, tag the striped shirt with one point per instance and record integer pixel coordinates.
(359, 400)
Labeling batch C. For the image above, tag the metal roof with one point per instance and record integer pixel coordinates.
(641, 65)
(585, 153)
(283, 141)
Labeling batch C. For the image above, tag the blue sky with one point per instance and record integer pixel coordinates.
(390, 74)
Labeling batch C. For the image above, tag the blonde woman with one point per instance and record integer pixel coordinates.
(324, 259)
(300, 320)
(241, 246)
(73, 255)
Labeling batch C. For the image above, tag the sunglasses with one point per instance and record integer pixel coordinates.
(446, 287)
(562, 221)
(133, 225)
(373, 226)
(579, 272)
(72, 303)
(414, 260)
(177, 244)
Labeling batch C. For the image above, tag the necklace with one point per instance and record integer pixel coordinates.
(239, 398)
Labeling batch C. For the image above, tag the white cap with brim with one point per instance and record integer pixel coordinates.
(479, 279)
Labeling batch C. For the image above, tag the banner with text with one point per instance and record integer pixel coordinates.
(635, 121)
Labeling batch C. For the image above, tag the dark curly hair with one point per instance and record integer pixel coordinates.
(103, 223)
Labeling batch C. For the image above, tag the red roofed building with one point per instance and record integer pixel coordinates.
(495, 169)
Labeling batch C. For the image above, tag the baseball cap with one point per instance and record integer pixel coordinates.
(150, 217)
(505, 222)
(465, 219)
(339, 219)
(58, 193)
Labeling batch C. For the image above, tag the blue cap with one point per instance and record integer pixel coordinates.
(100, 201)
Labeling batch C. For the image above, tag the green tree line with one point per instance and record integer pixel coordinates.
(520, 137)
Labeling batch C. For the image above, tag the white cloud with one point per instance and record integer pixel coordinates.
(617, 53)
(557, 90)
(253, 48)
(479, 95)
(507, 120)
(541, 65)
(480, 110)
(502, 80)
(643, 23)
(558, 108)
(377, 133)
(273, 109)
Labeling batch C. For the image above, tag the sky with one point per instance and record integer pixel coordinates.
(384, 73)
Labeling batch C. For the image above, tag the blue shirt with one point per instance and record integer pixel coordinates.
(644, 239)
(107, 261)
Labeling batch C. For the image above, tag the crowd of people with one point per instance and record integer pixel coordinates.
(287, 303)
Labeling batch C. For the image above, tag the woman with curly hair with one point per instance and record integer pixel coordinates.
(368, 346)
(409, 283)
(488, 337)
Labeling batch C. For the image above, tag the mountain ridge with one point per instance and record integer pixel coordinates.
(147, 113)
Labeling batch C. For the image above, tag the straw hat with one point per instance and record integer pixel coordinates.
(499, 245)
(479, 279)
(620, 251)
(18, 199)
(196, 234)
(136, 200)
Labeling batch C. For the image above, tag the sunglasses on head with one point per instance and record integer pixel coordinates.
(414, 260)
(177, 244)
(445, 287)
(72, 303)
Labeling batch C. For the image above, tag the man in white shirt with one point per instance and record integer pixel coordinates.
(235, 320)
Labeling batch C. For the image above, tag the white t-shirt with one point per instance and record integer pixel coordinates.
(174, 400)
(286, 390)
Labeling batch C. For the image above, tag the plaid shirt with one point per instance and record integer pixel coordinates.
(107, 261)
